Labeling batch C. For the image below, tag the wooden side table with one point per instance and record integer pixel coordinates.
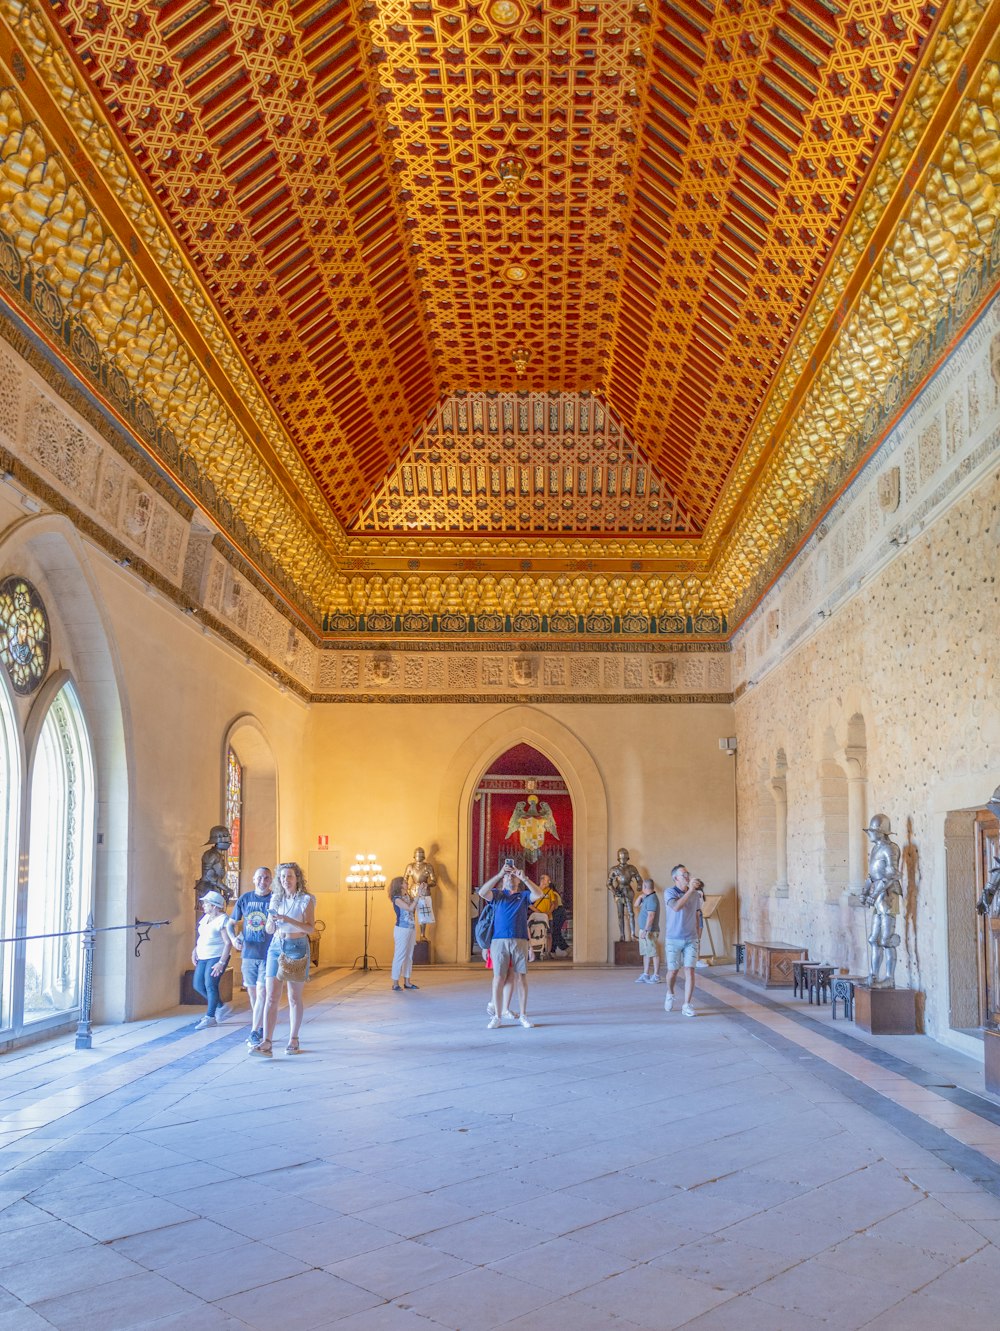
(842, 991)
(818, 981)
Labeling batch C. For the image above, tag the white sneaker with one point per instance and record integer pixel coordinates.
(490, 1010)
(655, 979)
(528, 1025)
(223, 1011)
(687, 1010)
(508, 1015)
(643, 979)
(203, 1022)
(493, 1023)
(668, 1003)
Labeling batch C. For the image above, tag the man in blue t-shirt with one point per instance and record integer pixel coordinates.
(683, 908)
(509, 949)
(252, 944)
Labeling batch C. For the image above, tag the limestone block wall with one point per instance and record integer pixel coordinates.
(867, 681)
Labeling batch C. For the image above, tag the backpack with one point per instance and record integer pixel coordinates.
(484, 926)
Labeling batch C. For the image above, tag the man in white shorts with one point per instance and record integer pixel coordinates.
(682, 902)
(509, 948)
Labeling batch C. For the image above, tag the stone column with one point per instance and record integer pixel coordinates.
(779, 792)
(852, 760)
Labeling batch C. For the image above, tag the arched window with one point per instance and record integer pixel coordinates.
(61, 858)
(10, 787)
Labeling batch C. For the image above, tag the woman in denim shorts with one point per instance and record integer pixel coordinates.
(291, 920)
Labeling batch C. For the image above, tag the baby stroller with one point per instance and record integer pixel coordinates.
(538, 935)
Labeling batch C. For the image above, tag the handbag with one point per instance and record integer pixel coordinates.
(292, 968)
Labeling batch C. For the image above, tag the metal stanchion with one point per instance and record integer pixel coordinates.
(84, 1027)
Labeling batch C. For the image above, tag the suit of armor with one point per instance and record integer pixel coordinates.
(623, 880)
(883, 892)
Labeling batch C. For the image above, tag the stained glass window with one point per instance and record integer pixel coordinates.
(24, 634)
(234, 820)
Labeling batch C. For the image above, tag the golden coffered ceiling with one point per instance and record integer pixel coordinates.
(338, 226)
(546, 463)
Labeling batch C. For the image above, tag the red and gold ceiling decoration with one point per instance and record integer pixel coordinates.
(304, 233)
(497, 463)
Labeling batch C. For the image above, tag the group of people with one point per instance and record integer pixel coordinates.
(270, 928)
(275, 925)
(512, 894)
(684, 903)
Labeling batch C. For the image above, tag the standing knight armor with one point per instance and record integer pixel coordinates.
(623, 880)
(883, 892)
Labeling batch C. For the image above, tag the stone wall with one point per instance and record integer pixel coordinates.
(867, 682)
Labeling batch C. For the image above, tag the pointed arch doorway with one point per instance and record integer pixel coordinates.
(522, 810)
(524, 724)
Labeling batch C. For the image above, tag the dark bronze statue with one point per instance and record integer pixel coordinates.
(213, 863)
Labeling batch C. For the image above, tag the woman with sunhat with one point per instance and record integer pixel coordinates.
(211, 957)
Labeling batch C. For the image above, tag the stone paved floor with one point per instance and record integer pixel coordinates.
(613, 1168)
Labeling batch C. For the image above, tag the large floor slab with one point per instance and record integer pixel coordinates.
(614, 1167)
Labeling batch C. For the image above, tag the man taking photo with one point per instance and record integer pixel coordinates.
(510, 891)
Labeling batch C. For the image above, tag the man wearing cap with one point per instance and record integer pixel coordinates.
(252, 944)
(211, 957)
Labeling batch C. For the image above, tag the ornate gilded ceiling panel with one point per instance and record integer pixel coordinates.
(254, 126)
(759, 123)
(339, 215)
(535, 462)
(516, 133)
(398, 196)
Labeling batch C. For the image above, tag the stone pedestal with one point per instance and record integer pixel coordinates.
(422, 952)
(627, 954)
(991, 1065)
(885, 1011)
(190, 996)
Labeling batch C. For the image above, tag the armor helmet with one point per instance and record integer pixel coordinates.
(879, 826)
(218, 833)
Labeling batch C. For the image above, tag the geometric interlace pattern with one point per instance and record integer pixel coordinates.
(677, 176)
(524, 462)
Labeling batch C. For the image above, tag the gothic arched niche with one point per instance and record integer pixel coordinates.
(522, 808)
(259, 822)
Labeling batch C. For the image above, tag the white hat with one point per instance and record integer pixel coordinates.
(215, 899)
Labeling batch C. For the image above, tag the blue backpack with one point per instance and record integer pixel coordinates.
(484, 926)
